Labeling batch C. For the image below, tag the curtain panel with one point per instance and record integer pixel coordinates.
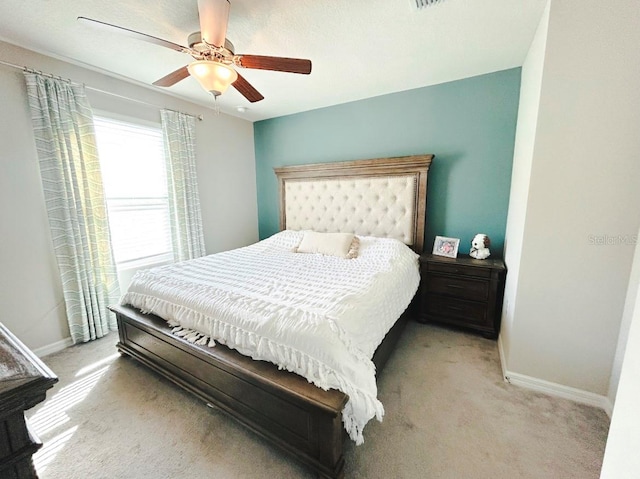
(184, 204)
(74, 198)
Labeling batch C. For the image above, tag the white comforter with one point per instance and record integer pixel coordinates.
(321, 317)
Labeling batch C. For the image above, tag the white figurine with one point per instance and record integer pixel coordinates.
(480, 247)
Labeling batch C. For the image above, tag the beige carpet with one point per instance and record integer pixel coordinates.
(448, 415)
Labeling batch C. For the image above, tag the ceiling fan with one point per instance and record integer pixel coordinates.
(214, 55)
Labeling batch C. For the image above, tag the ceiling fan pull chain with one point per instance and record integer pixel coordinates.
(216, 107)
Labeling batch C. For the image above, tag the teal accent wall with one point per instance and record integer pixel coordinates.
(468, 124)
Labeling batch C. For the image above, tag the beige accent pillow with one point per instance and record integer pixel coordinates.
(343, 245)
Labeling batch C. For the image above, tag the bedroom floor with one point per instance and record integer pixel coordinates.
(448, 415)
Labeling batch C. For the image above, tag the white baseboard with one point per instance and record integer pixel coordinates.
(53, 347)
(503, 359)
(559, 390)
(608, 406)
(553, 389)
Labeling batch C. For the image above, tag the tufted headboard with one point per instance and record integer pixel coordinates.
(384, 197)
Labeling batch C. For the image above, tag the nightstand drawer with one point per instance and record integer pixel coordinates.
(458, 269)
(475, 290)
(456, 309)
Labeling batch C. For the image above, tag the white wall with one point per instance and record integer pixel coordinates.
(530, 86)
(30, 292)
(621, 458)
(583, 188)
(628, 315)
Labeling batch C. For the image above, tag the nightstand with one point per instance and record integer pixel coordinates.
(463, 291)
(24, 381)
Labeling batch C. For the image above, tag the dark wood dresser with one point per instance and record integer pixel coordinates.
(24, 381)
(463, 291)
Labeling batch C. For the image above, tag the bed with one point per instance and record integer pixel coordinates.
(383, 198)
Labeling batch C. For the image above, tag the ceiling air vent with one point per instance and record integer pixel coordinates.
(419, 4)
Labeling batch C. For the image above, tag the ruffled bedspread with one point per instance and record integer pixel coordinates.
(321, 317)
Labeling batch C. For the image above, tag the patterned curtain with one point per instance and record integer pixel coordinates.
(184, 204)
(74, 197)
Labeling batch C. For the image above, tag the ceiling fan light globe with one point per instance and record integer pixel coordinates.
(214, 77)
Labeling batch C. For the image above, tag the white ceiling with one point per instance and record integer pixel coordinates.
(359, 48)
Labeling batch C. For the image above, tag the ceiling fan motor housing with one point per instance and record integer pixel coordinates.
(196, 43)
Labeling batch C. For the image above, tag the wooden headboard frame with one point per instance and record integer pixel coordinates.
(411, 169)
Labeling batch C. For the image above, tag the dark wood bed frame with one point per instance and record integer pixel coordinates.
(282, 407)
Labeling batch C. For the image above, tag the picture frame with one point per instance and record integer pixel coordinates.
(443, 246)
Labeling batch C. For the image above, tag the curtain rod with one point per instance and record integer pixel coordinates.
(28, 69)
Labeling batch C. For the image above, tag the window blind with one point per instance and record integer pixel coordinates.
(135, 183)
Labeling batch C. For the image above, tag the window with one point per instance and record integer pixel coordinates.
(135, 183)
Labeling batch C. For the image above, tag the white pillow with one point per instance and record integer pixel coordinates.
(344, 245)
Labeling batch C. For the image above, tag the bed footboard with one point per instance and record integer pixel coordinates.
(282, 407)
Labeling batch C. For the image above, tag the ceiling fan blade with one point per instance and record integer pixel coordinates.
(247, 90)
(214, 16)
(280, 64)
(173, 77)
(133, 33)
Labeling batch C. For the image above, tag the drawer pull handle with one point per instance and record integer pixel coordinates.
(455, 286)
(455, 308)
